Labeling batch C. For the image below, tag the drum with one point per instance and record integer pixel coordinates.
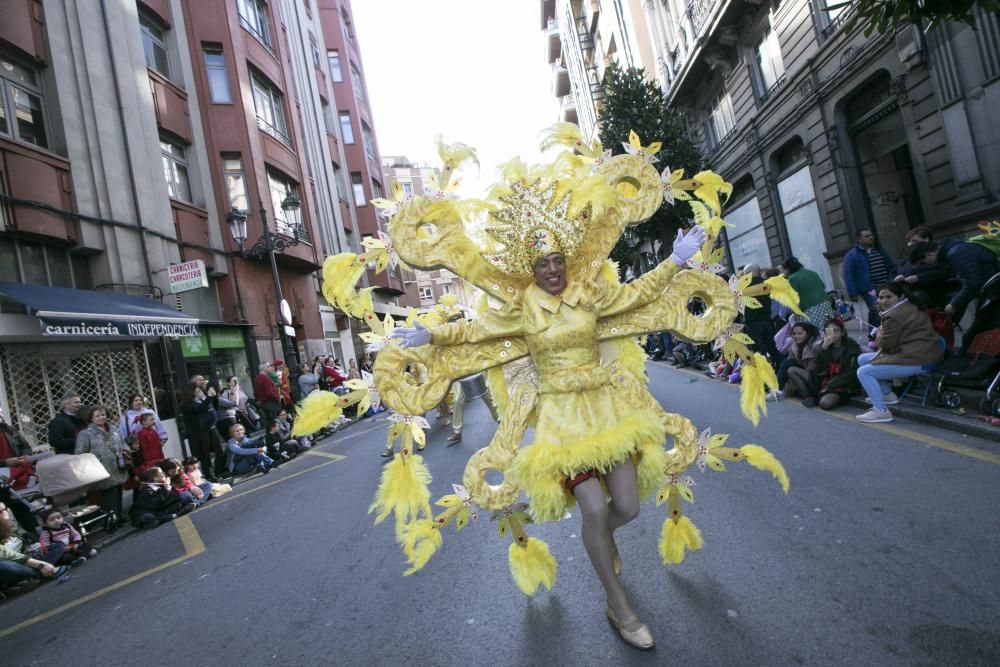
(474, 387)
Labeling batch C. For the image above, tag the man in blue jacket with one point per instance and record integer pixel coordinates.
(866, 266)
(971, 262)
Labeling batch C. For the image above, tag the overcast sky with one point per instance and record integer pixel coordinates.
(471, 70)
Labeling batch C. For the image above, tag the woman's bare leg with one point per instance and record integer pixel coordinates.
(622, 485)
(596, 534)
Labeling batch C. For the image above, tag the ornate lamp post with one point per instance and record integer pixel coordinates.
(265, 248)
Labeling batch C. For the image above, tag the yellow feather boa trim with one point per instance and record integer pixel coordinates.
(420, 539)
(760, 458)
(542, 467)
(677, 536)
(531, 565)
(757, 379)
(403, 490)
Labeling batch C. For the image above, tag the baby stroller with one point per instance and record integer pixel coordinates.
(842, 308)
(977, 366)
(64, 478)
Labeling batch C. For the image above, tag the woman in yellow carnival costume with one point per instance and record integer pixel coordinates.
(561, 354)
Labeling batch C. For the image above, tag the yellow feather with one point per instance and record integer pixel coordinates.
(532, 565)
(760, 458)
(675, 537)
(594, 190)
(420, 540)
(404, 490)
(783, 292)
(563, 134)
(316, 411)
(757, 379)
(453, 155)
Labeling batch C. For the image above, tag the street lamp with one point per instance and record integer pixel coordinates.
(265, 248)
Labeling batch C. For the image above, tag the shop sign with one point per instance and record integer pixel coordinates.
(194, 346)
(52, 326)
(187, 276)
(226, 338)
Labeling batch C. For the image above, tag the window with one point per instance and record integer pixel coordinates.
(267, 102)
(288, 223)
(21, 113)
(426, 294)
(253, 17)
(721, 120)
(346, 129)
(345, 23)
(446, 289)
(377, 192)
(314, 47)
(154, 46)
(218, 77)
(175, 169)
(236, 182)
(359, 90)
(747, 240)
(407, 188)
(333, 57)
(328, 119)
(366, 137)
(770, 67)
(40, 264)
(341, 178)
(358, 184)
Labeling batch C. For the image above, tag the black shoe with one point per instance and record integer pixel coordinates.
(810, 402)
(77, 562)
(25, 586)
(263, 468)
(187, 509)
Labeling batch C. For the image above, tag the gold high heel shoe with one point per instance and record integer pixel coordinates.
(640, 638)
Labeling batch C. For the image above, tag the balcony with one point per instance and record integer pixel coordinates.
(37, 175)
(552, 42)
(699, 11)
(567, 109)
(585, 35)
(560, 81)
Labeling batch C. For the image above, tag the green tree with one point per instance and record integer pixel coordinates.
(885, 15)
(632, 102)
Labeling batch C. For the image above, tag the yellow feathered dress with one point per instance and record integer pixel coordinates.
(582, 423)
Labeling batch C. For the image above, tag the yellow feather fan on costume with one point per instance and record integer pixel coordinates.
(315, 411)
(760, 458)
(532, 565)
(675, 537)
(340, 274)
(756, 380)
(783, 292)
(403, 490)
(420, 539)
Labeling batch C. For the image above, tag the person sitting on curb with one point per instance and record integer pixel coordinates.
(155, 502)
(61, 543)
(908, 345)
(19, 572)
(300, 444)
(833, 379)
(182, 483)
(244, 455)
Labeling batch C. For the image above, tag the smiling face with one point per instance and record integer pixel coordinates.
(550, 273)
(799, 335)
(98, 417)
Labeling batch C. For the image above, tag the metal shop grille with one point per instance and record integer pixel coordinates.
(36, 377)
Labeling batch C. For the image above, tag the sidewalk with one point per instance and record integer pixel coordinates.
(127, 529)
(964, 420)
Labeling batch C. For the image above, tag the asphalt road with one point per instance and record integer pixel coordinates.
(883, 553)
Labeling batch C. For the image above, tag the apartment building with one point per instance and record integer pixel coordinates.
(360, 169)
(581, 38)
(425, 288)
(825, 132)
(135, 139)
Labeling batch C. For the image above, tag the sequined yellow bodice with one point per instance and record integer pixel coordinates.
(563, 345)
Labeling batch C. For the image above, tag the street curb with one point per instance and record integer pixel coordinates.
(965, 427)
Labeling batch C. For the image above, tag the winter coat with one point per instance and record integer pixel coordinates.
(907, 338)
(18, 445)
(972, 263)
(308, 383)
(809, 286)
(63, 430)
(236, 449)
(107, 446)
(264, 389)
(845, 356)
(130, 424)
(154, 499)
(857, 271)
(198, 416)
(937, 282)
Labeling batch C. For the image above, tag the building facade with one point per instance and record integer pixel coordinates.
(130, 132)
(425, 288)
(825, 132)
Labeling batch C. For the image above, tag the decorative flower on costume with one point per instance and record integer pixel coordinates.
(588, 404)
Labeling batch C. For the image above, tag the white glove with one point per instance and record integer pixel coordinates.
(686, 245)
(415, 337)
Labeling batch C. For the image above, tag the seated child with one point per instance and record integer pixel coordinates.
(155, 502)
(61, 543)
(147, 448)
(192, 466)
(182, 483)
(277, 447)
(294, 445)
(243, 455)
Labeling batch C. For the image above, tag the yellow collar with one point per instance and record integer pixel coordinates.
(570, 296)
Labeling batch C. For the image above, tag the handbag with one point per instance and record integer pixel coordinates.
(252, 413)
